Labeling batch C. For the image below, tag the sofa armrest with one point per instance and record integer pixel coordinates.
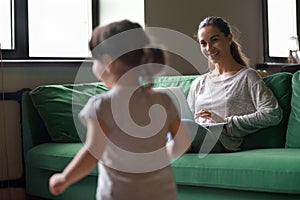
(34, 131)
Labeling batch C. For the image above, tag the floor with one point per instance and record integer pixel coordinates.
(34, 198)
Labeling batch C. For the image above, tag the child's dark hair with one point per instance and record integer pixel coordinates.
(134, 56)
(224, 27)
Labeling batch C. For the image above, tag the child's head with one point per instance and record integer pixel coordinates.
(129, 48)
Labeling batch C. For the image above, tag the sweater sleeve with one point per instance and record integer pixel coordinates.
(268, 112)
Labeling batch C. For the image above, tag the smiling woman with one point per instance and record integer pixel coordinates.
(231, 92)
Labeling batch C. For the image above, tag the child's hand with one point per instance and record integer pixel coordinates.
(57, 184)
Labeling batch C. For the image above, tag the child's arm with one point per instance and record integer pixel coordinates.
(180, 142)
(84, 161)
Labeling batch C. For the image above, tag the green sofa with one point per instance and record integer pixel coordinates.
(267, 167)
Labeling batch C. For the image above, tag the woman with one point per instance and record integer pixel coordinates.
(231, 92)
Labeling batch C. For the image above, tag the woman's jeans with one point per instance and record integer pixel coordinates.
(203, 140)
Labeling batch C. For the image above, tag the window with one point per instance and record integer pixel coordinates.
(6, 24)
(38, 29)
(113, 10)
(280, 29)
(58, 29)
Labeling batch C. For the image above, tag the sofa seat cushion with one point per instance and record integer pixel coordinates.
(266, 170)
(53, 156)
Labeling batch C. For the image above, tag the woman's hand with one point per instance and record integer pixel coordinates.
(210, 116)
(57, 184)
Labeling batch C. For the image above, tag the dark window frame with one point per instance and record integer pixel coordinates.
(21, 51)
(267, 58)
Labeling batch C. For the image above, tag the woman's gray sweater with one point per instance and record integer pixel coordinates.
(243, 99)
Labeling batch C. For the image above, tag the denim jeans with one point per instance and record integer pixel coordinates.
(203, 140)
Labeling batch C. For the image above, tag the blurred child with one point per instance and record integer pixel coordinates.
(128, 125)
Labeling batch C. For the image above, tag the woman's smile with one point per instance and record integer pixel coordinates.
(212, 55)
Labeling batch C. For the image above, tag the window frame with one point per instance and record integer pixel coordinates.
(267, 58)
(21, 51)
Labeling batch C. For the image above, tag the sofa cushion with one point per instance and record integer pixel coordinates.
(184, 82)
(274, 136)
(266, 170)
(252, 170)
(53, 156)
(293, 130)
(59, 105)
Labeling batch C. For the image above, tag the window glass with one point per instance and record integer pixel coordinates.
(6, 24)
(59, 28)
(282, 27)
(114, 10)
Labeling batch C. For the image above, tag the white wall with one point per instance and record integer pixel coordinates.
(185, 17)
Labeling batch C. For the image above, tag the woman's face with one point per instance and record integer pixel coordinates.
(215, 46)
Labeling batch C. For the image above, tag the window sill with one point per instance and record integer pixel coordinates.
(46, 63)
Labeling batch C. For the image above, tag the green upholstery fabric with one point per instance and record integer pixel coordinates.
(54, 104)
(247, 170)
(293, 130)
(269, 170)
(59, 105)
(37, 184)
(252, 174)
(53, 156)
(32, 125)
(184, 82)
(274, 136)
(186, 192)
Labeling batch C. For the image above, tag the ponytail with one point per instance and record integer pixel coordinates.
(154, 59)
(153, 55)
(237, 54)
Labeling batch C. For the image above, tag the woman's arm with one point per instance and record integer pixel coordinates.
(84, 161)
(268, 112)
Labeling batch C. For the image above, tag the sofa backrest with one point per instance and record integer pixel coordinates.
(34, 131)
(59, 106)
(184, 82)
(271, 137)
(53, 109)
(293, 130)
(56, 107)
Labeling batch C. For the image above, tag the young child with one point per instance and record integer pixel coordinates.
(128, 125)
